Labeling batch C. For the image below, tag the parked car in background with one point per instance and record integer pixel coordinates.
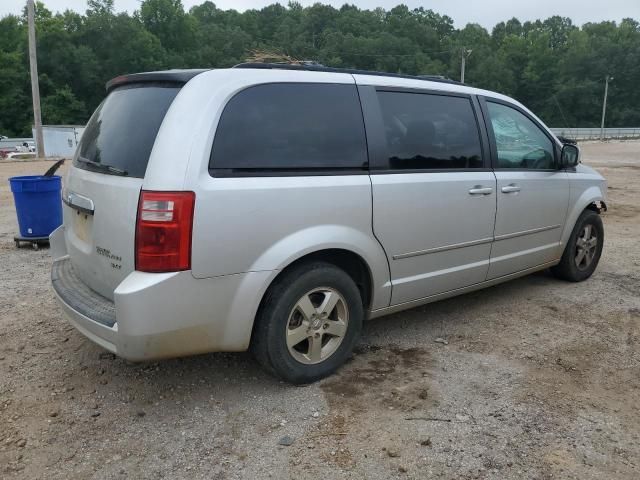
(26, 147)
(20, 155)
(308, 200)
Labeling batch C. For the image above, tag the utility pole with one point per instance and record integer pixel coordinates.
(35, 89)
(465, 55)
(607, 79)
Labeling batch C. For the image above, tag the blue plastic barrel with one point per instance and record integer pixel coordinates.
(38, 204)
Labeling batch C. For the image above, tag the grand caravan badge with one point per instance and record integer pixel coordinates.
(116, 261)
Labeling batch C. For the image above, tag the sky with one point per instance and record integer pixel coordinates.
(486, 12)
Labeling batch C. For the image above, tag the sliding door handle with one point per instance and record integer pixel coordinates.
(480, 190)
(512, 188)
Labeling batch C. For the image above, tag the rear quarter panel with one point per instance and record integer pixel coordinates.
(255, 224)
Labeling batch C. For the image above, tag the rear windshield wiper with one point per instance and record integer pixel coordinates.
(102, 167)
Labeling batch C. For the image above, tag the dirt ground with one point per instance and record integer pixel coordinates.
(540, 379)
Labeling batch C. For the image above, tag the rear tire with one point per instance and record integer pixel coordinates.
(308, 323)
(583, 250)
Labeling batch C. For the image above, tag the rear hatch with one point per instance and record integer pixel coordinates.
(102, 189)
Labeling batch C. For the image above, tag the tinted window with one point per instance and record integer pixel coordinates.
(520, 142)
(291, 126)
(122, 130)
(430, 131)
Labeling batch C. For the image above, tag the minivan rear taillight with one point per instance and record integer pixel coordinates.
(163, 231)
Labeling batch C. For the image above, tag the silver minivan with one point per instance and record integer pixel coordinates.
(277, 207)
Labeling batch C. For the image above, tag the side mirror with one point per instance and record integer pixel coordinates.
(570, 156)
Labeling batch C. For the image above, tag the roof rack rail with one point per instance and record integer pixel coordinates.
(317, 67)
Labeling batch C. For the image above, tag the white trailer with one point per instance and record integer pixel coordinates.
(61, 140)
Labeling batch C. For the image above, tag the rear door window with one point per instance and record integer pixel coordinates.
(430, 132)
(291, 127)
(120, 135)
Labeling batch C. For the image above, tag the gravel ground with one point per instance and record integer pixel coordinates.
(535, 378)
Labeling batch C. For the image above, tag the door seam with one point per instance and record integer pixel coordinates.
(495, 221)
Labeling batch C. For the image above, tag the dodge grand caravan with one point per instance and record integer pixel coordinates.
(275, 208)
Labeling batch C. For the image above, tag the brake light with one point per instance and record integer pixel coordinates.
(163, 231)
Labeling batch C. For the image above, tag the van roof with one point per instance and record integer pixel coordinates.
(313, 67)
(183, 76)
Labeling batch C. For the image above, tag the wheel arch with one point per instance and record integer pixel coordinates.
(591, 199)
(339, 244)
(598, 206)
(347, 260)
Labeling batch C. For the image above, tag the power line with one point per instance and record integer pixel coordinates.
(342, 52)
(465, 54)
(391, 54)
(566, 123)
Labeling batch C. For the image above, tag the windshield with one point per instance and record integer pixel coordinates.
(121, 133)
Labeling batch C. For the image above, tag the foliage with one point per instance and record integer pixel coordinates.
(552, 66)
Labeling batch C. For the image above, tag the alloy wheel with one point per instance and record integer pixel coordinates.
(586, 247)
(317, 325)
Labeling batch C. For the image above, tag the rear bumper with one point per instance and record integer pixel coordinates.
(79, 297)
(163, 315)
(101, 334)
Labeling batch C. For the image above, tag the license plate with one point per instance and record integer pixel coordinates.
(81, 226)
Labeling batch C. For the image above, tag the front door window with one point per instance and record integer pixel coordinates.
(521, 144)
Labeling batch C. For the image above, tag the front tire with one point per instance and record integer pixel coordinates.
(583, 250)
(308, 323)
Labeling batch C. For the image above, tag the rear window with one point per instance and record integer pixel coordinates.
(278, 127)
(122, 130)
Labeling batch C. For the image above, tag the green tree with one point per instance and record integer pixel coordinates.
(15, 100)
(551, 65)
(167, 20)
(62, 107)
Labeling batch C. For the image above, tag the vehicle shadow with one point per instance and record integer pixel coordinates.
(444, 317)
(216, 373)
(224, 393)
